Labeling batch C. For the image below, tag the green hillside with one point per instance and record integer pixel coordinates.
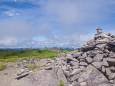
(9, 56)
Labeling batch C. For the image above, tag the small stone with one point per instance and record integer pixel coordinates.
(80, 80)
(111, 61)
(74, 78)
(66, 73)
(84, 55)
(98, 58)
(89, 59)
(112, 76)
(105, 63)
(83, 64)
(112, 68)
(75, 71)
(83, 84)
(100, 46)
(22, 75)
(22, 70)
(48, 68)
(103, 69)
(108, 71)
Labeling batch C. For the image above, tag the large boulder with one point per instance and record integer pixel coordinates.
(40, 78)
(93, 77)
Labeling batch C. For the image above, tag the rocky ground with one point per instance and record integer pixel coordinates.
(91, 65)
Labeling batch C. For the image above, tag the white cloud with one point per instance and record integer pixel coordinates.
(9, 41)
(12, 13)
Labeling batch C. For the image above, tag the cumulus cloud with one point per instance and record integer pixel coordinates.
(12, 13)
(9, 41)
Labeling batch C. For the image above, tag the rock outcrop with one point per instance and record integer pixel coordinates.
(91, 65)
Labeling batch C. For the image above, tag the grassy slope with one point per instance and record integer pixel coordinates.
(9, 56)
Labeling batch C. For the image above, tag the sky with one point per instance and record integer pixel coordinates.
(62, 23)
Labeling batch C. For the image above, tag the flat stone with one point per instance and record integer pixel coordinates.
(105, 63)
(48, 68)
(39, 78)
(83, 64)
(100, 46)
(112, 68)
(111, 61)
(98, 58)
(22, 75)
(112, 56)
(97, 64)
(105, 84)
(83, 84)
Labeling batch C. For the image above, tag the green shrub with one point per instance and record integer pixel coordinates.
(2, 66)
(61, 83)
(5, 73)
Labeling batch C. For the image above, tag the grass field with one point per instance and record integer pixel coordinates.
(10, 56)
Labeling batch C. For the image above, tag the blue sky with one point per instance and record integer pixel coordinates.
(69, 23)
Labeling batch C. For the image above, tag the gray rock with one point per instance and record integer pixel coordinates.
(22, 75)
(112, 55)
(89, 59)
(83, 64)
(105, 63)
(101, 46)
(112, 43)
(84, 55)
(40, 78)
(48, 68)
(112, 82)
(98, 58)
(75, 71)
(103, 69)
(83, 84)
(108, 71)
(62, 77)
(112, 76)
(66, 73)
(105, 84)
(97, 64)
(112, 68)
(74, 83)
(73, 63)
(74, 78)
(93, 77)
(111, 61)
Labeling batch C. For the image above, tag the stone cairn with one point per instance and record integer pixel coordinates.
(93, 64)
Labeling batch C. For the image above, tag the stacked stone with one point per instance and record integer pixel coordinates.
(97, 54)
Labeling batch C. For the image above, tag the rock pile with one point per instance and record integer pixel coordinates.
(91, 65)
